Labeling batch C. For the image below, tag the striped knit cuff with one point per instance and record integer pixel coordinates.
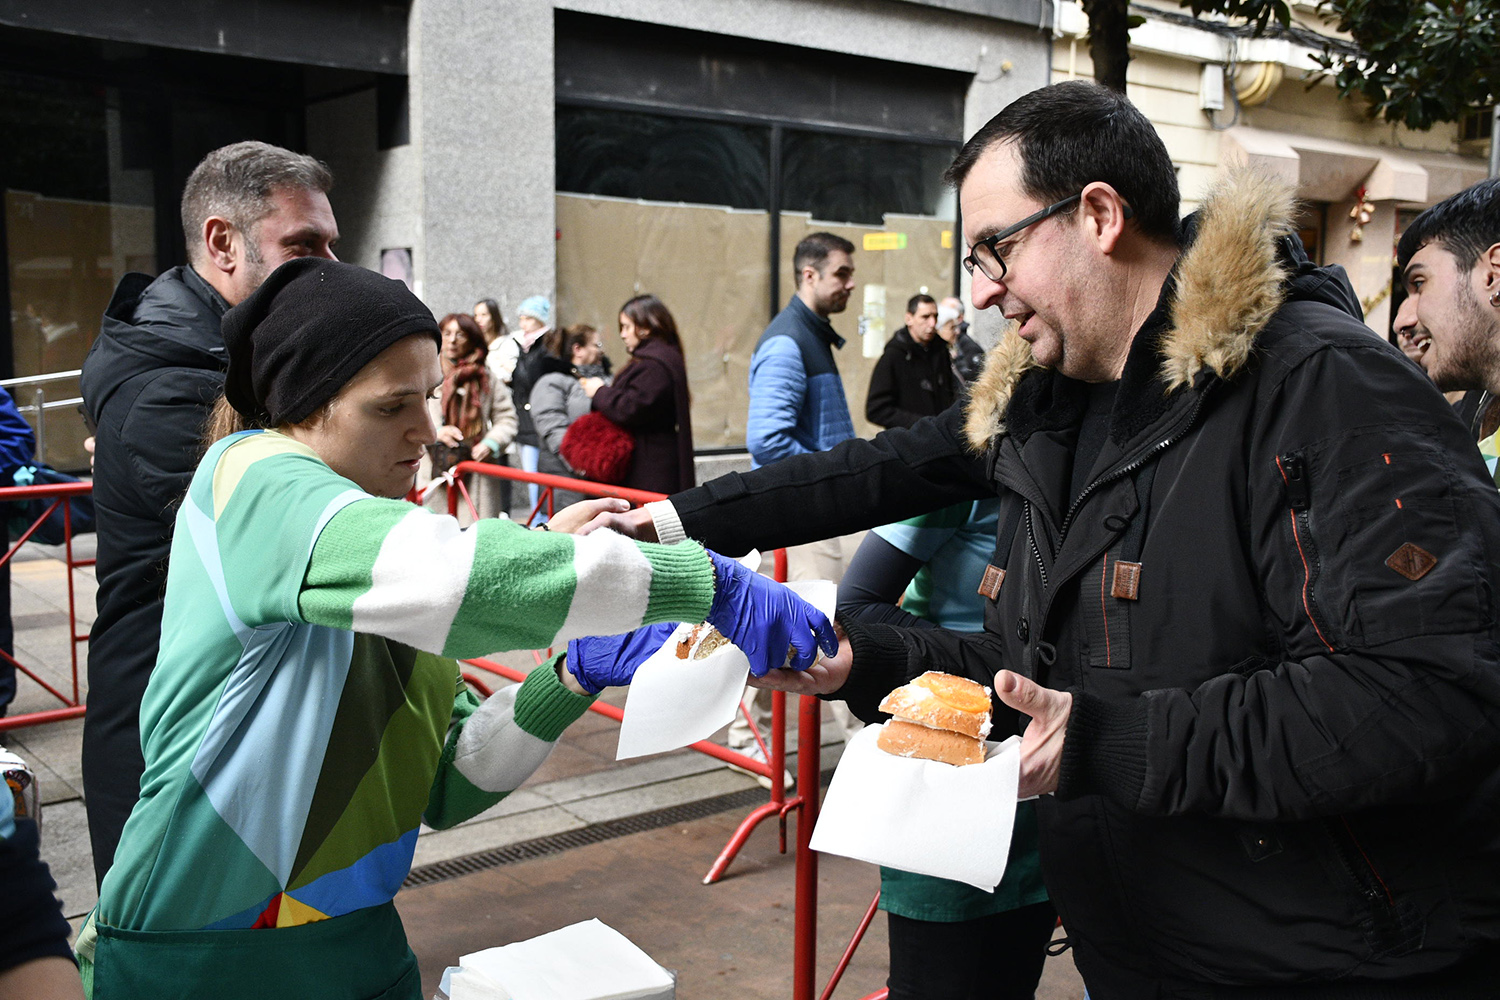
(682, 583)
(669, 530)
(544, 707)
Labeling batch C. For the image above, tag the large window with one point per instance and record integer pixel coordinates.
(860, 179)
(682, 207)
(661, 158)
(690, 165)
(96, 141)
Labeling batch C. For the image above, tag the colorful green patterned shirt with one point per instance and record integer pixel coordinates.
(1489, 448)
(305, 716)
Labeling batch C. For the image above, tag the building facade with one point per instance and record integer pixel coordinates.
(1219, 97)
(586, 150)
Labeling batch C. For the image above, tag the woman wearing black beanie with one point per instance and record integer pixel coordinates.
(305, 716)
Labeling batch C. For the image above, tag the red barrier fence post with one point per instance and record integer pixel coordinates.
(809, 787)
(58, 493)
(809, 744)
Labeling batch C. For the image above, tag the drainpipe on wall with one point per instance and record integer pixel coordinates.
(1495, 141)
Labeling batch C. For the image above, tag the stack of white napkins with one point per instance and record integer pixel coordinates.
(584, 961)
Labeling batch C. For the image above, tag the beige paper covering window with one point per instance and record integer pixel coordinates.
(65, 257)
(708, 264)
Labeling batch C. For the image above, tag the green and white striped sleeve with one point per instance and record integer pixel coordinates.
(389, 568)
(495, 744)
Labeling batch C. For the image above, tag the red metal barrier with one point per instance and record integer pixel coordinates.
(58, 493)
(809, 740)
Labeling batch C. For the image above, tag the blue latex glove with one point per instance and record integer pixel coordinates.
(765, 619)
(602, 661)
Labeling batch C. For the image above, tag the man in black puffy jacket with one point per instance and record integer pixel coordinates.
(1244, 585)
(149, 384)
(914, 378)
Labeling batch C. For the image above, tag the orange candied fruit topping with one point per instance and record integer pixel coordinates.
(955, 692)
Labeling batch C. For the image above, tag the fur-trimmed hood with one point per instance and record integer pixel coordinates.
(1231, 278)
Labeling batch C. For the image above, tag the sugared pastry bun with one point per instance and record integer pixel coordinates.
(937, 717)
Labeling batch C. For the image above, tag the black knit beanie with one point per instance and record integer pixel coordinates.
(304, 333)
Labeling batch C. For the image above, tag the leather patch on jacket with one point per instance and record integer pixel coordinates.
(989, 587)
(1127, 580)
(1411, 561)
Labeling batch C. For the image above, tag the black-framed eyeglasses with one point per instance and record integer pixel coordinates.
(986, 253)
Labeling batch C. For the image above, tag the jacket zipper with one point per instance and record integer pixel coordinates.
(1126, 470)
(1299, 499)
(1036, 550)
(1377, 895)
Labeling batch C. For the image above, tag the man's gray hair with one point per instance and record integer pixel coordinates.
(236, 182)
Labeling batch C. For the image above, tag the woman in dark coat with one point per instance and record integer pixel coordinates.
(649, 397)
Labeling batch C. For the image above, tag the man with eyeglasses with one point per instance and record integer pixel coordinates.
(1243, 586)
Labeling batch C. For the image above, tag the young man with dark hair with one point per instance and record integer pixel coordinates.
(914, 378)
(797, 407)
(1450, 263)
(1242, 585)
(149, 382)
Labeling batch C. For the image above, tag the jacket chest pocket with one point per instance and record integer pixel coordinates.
(1376, 529)
(1107, 597)
(1109, 590)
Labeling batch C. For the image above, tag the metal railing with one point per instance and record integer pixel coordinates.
(39, 404)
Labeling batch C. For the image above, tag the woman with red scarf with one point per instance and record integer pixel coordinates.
(473, 413)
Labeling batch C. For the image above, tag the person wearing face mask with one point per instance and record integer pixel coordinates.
(473, 412)
(558, 398)
(520, 362)
(649, 398)
(967, 355)
(307, 714)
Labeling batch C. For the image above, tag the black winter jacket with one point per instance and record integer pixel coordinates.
(968, 357)
(149, 383)
(910, 381)
(1274, 605)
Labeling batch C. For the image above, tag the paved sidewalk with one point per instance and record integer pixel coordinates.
(647, 884)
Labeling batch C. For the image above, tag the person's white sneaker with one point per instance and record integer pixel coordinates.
(754, 752)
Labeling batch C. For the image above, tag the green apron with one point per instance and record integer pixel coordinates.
(360, 956)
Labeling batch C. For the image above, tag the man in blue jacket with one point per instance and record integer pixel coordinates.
(797, 402)
(797, 406)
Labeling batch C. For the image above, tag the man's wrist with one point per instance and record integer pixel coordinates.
(668, 524)
(1105, 752)
(878, 663)
(568, 680)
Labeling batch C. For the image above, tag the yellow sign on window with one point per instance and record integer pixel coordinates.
(885, 241)
(947, 239)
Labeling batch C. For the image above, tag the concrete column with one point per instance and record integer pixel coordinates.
(1010, 63)
(482, 100)
(1368, 261)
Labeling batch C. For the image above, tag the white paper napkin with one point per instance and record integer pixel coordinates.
(675, 702)
(921, 815)
(584, 961)
(459, 983)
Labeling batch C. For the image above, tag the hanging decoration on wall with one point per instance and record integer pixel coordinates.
(1361, 213)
